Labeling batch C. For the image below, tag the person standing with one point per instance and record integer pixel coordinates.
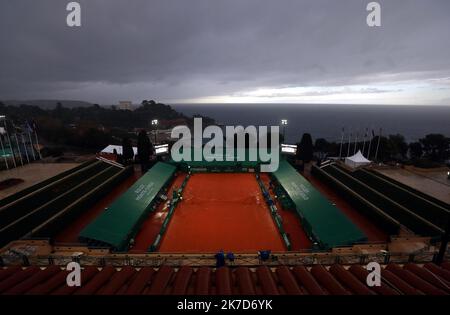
(144, 150)
(127, 151)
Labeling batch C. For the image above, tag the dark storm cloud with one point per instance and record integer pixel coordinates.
(185, 49)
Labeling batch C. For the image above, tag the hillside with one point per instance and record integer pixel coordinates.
(48, 104)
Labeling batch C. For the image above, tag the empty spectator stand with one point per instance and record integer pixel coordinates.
(391, 205)
(39, 206)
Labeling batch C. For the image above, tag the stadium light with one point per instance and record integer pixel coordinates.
(289, 149)
(155, 124)
(161, 149)
(284, 123)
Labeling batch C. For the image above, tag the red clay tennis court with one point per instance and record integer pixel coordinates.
(222, 212)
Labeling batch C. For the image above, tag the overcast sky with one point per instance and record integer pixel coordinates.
(273, 51)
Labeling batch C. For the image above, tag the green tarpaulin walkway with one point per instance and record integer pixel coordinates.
(229, 159)
(121, 221)
(321, 220)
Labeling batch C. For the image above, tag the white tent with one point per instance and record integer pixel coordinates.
(110, 149)
(356, 160)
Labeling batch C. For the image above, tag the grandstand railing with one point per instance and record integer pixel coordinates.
(274, 213)
(208, 259)
(177, 196)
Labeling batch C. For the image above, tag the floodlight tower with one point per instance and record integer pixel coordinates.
(155, 125)
(2, 117)
(284, 123)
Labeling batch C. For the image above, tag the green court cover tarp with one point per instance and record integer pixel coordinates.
(229, 159)
(117, 224)
(320, 219)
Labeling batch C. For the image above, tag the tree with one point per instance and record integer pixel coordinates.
(392, 147)
(305, 148)
(59, 110)
(397, 146)
(436, 147)
(415, 150)
(322, 145)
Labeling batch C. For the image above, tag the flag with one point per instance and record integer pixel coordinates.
(33, 125)
(29, 127)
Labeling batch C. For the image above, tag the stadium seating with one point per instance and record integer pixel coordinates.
(37, 209)
(377, 215)
(417, 204)
(398, 211)
(412, 190)
(22, 206)
(98, 187)
(43, 183)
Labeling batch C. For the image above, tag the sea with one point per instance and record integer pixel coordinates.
(328, 121)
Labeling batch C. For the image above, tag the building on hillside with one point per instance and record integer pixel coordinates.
(125, 105)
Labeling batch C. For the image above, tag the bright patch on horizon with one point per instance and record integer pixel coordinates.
(428, 92)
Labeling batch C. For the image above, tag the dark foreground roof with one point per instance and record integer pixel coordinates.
(318, 280)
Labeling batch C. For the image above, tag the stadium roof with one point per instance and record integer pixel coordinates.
(317, 280)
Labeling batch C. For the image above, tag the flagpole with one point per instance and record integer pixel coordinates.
(10, 142)
(18, 147)
(378, 145)
(356, 140)
(33, 129)
(342, 140)
(31, 144)
(37, 144)
(348, 149)
(364, 142)
(4, 153)
(25, 146)
(370, 144)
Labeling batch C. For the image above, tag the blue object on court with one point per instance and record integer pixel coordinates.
(264, 254)
(220, 259)
(230, 256)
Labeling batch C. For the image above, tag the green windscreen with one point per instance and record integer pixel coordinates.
(121, 221)
(321, 220)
